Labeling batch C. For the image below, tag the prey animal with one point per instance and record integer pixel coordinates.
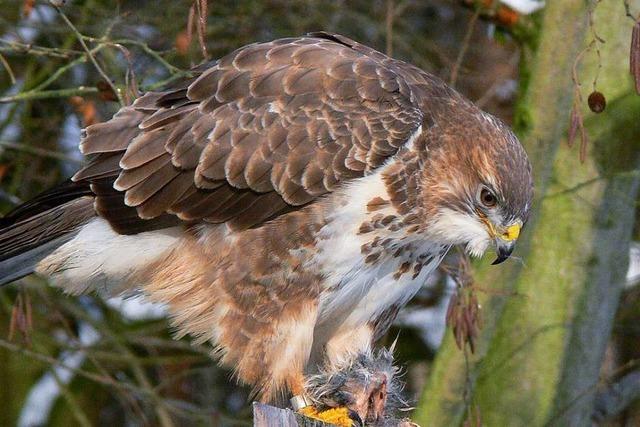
(284, 203)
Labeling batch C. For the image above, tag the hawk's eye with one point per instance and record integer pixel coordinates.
(488, 198)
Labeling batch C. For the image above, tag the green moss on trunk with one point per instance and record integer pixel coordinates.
(522, 356)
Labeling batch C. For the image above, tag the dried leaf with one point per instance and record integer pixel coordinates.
(105, 91)
(13, 320)
(457, 333)
(182, 42)
(3, 171)
(201, 7)
(21, 318)
(27, 7)
(506, 16)
(452, 309)
(85, 109)
(634, 56)
(574, 125)
(28, 312)
(191, 22)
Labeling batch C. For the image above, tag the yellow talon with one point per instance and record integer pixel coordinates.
(336, 416)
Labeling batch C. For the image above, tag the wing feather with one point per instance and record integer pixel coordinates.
(264, 130)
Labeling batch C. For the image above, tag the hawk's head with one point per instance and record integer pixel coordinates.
(477, 184)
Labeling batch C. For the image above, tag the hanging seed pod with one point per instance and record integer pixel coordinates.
(597, 102)
(573, 125)
(452, 309)
(634, 56)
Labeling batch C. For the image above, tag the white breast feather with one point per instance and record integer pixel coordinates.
(358, 291)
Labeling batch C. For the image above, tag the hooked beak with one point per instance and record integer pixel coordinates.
(503, 250)
(506, 242)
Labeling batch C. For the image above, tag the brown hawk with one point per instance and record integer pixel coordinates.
(284, 203)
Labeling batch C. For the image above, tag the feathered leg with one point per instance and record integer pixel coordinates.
(368, 386)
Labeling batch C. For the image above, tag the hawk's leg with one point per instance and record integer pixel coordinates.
(364, 390)
(303, 404)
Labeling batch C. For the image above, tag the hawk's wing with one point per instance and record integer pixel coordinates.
(267, 128)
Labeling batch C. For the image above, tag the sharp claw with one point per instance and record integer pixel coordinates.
(356, 418)
(340, 416)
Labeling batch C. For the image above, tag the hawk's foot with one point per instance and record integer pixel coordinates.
(339, 416)
(336, 416)
(366, 387)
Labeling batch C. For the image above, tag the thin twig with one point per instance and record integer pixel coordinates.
(161, 409)
(29, 49)
(463, 50)
(97, 66)
(38, 151)
(202, 6)
(60, 71)
(491, 91)
(389, 27)
(7, 67)
(76, 409)
(52, 361)
(153, 53)
(46, 94)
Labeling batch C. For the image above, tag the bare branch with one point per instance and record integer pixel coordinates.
(465, 46)
(38, 151)
(389, 27)
(7, 67)
(29, 49)
(45, 94)
(80, 38)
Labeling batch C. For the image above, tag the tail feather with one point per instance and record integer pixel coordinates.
(34, 230)
(23, 264)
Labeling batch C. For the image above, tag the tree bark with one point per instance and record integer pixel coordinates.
(616, 152)
(547, 320)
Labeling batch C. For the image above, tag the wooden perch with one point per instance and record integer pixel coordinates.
(270, 416)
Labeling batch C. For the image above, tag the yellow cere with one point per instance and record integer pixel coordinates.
(512, 232)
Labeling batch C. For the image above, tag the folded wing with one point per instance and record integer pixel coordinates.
(264, 130)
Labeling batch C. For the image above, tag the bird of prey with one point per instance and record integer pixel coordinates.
(284, 203)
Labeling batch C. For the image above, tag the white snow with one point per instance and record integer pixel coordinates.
(524, 7)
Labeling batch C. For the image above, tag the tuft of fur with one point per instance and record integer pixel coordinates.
(369, 385)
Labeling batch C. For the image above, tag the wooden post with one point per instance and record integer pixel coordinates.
(270, 416)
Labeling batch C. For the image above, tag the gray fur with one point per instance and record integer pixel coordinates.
(339, 386)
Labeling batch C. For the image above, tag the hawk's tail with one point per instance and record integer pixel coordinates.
(36, 228)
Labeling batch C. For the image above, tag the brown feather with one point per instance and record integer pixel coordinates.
(156, 180)
(165, 116)
(114, 135)
(162, 200)
(130, 177)
(144, 148)
(257, 172)
(292, 119)
(102, 165)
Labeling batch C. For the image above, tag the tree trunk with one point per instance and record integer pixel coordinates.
(547, 320)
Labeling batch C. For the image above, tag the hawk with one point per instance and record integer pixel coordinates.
(284, 203)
